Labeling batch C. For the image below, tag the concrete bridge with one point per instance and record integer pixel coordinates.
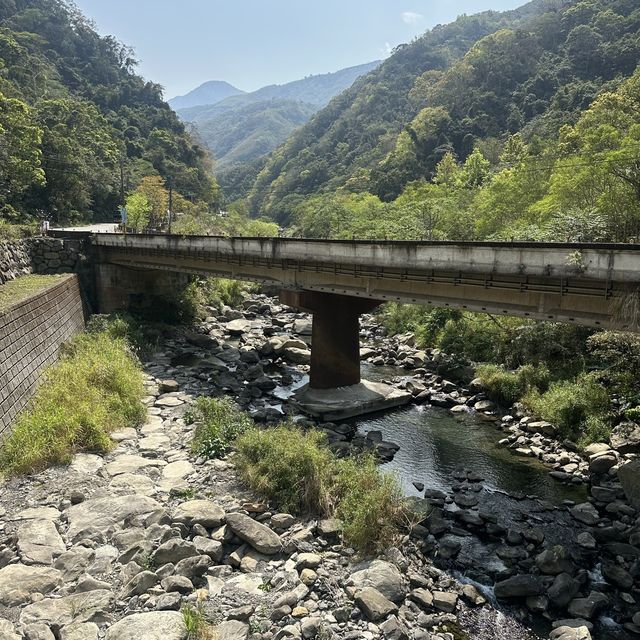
(591, 284)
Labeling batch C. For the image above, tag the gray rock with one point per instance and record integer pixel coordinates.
(563, 590)
(445, 601)
(139, 584)
(39, 542)
(519, 587)
(625, 438)
(174, 550)
(8, 631)
(103, 513)
(382, 576)
(74, 562)
(38, 631)
(617, 575)
(373, 604)
(570, 633)
(585, 513)
(194, 567)
(554, 561)
(209, 547)
(203, 512)
(81, 631)
(169, 602)
(629, 476)
(588, 607)
(602, 462)
(18, 582)
(92, 606)
(258, 535)
(177, 584)
(232, 630)
(156, 625)
(393, 629)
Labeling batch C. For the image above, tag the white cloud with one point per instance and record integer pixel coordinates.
(411, 17)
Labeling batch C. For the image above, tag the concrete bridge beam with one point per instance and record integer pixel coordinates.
(335, 346)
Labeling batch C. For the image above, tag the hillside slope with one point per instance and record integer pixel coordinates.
(241, 130)
(477, 79)
(78, 127)
(207, 93)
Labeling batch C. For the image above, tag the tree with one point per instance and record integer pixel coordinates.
(157, 196)
(138, 211)
(20, 154)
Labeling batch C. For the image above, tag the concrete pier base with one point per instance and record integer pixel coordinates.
(348, 402)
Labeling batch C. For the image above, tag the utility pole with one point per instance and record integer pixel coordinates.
(170, 206)
(122, 198)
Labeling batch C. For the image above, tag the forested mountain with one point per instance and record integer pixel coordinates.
(78, 128)
(464, 86)
(241, 130)
(206, 94)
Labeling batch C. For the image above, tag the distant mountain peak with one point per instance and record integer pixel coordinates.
(210, 92)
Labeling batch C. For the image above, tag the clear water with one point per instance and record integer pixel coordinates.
(435, 442)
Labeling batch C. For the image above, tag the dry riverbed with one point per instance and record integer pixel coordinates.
(115, 546)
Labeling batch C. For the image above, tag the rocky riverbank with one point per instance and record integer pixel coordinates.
(114, 546)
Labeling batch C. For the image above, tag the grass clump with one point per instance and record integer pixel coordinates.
(95, 388)
(572, 405)
(195, 622)
(509, 386)
(297, 470)
(288, 466)
(15, 291)
(218, 423)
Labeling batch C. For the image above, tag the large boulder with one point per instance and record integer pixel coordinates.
(102, 513)
(519, 587)
(203, 512)
(382, 576)
(373, 604)
(156, 625)
(625, 438)
(554, 561)
(629, 476)
(18, 582)
(92, 606)
(258, 535)
(39, 542)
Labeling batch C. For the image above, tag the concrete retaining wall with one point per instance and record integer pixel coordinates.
(31, 333)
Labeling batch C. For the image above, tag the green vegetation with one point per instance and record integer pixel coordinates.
(581, 380)
(24, 287)
(195, 622)
(509, 386)
(218, 292)
(571, 406)
(241, 130)
(78, 128)
(297, 470)
(520, 124)
(218, 423)
(95, 388)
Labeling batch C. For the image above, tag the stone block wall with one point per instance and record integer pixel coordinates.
(39, 255)
(31, 333)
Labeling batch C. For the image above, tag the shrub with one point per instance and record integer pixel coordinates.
(633, 414)
(568, 405)
(218, 292)
(368, 503)
(288, 466)
(617, 354)
(95, 388)
(509, 386)
(298, 471)
(218, 423)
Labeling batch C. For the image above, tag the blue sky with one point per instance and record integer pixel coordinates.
(252, 43)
